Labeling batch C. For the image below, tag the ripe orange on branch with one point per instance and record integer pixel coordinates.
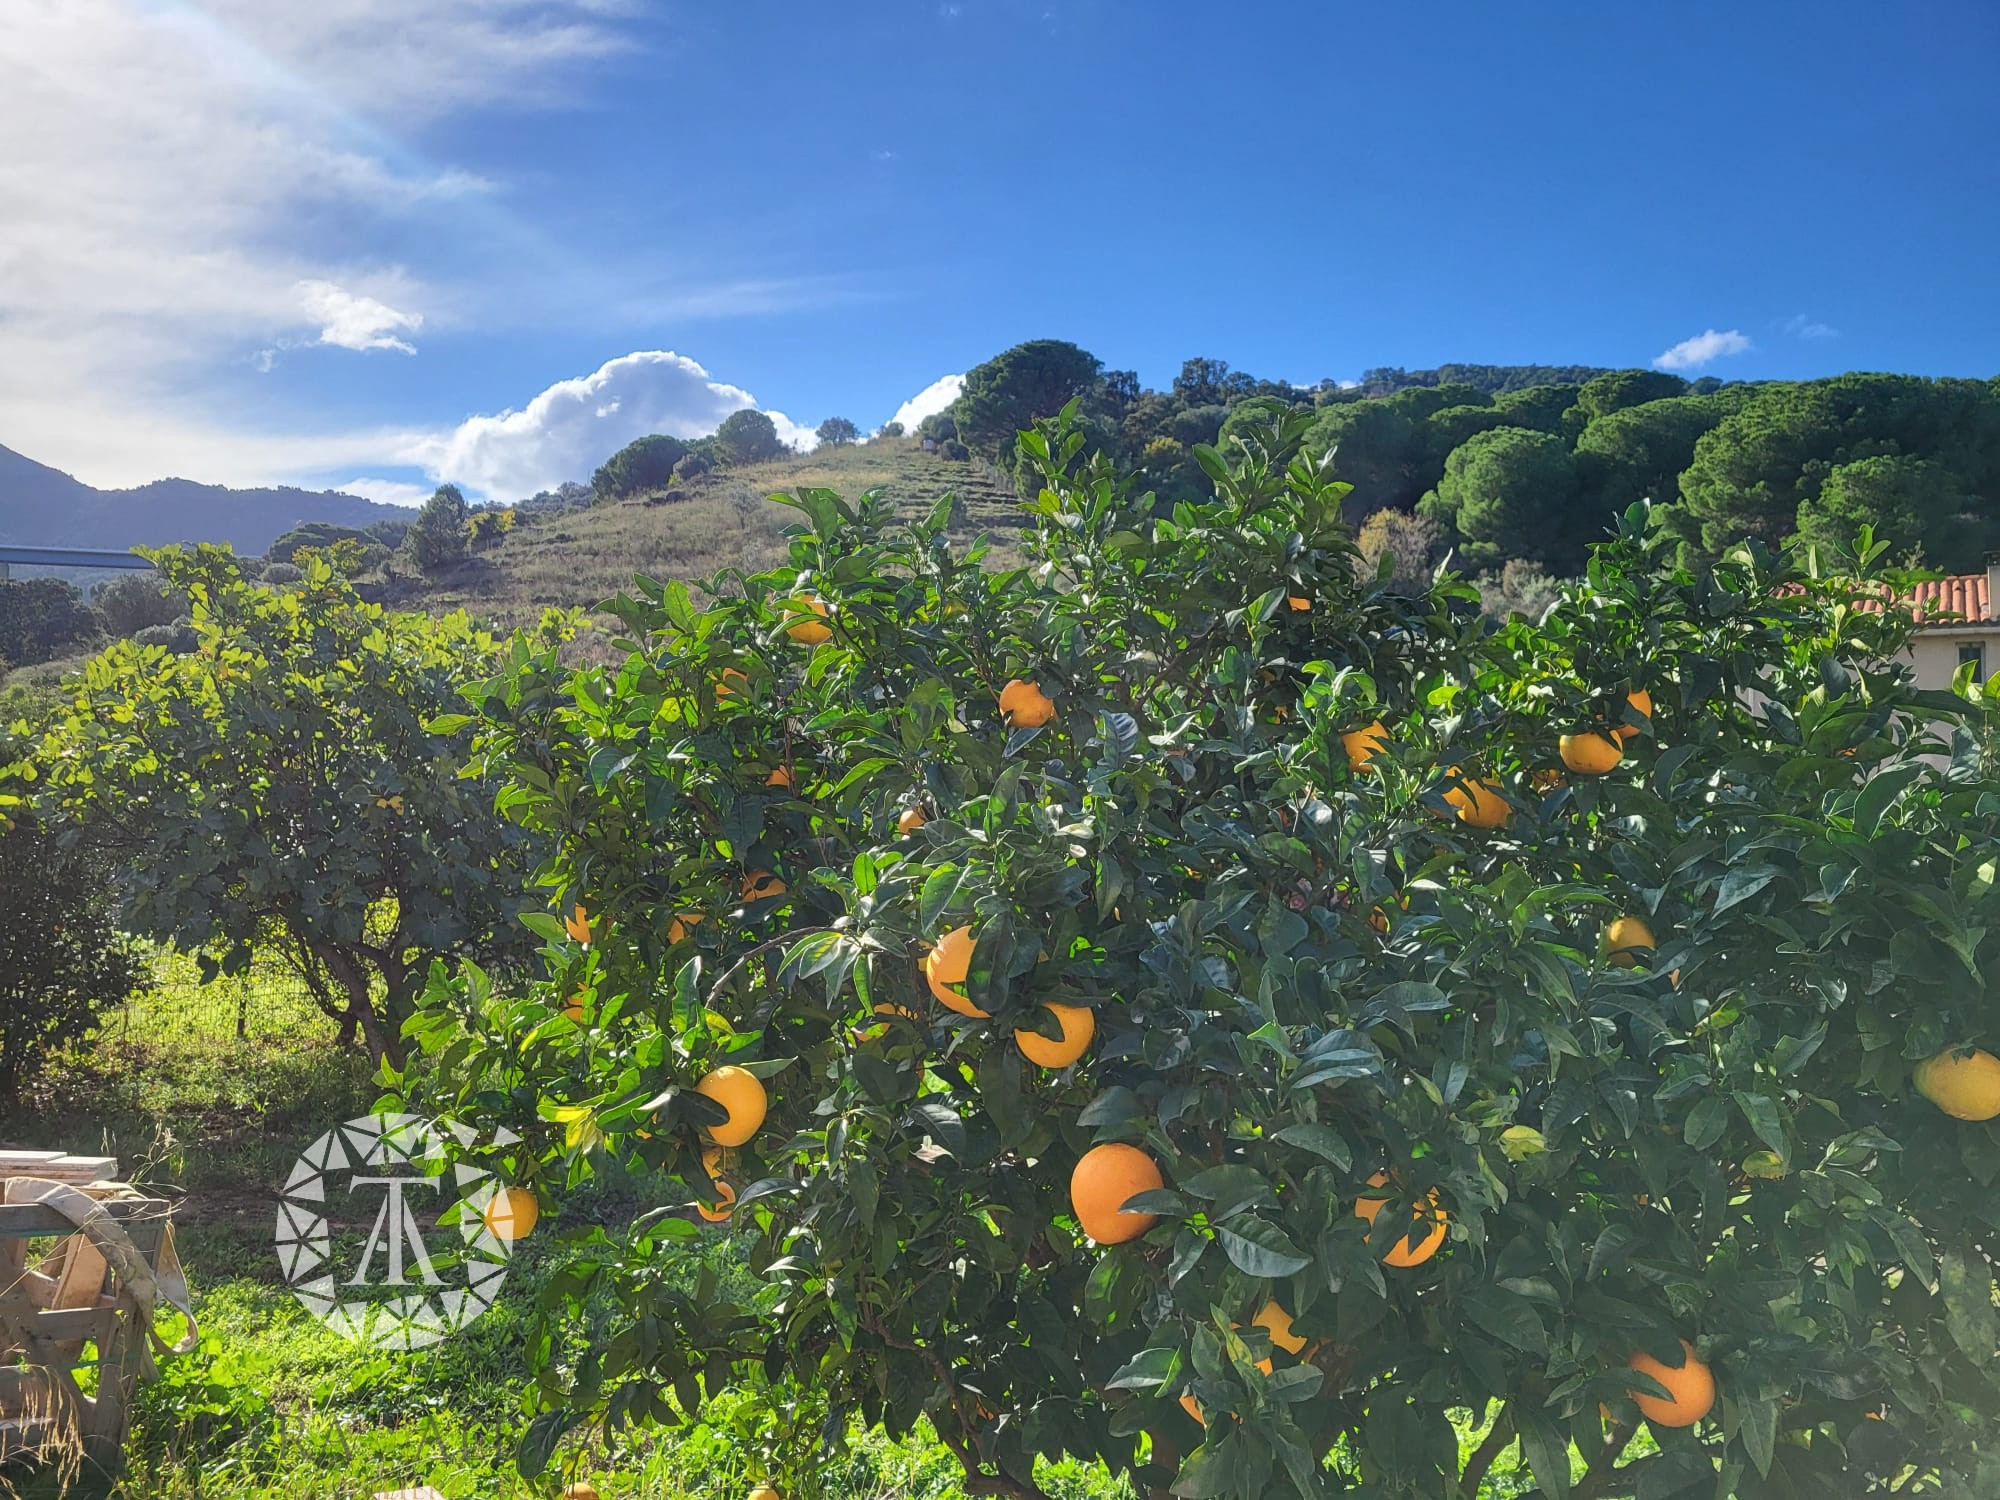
(1026, 704)
(945, 968)
(1590, 754)
(1079, 1025)
(1362, 744)
(912, 819)
(1626, 938)
(1429, 1220)
(1966, 1088)
(722, 1208)
(761, 885)
(740, 1092)
(1106, 1178)
(804, 628)
(1478, 802)
(1692, 1385)
(1642, 700)
(512, 1214)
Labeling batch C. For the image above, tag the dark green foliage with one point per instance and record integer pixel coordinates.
(1916, 505)
(1753, 472)
(132, 601)
(1511, 493)
(938, 427)
(1639, 452)
(62, 958)
(892, 429)
(41, 618)
(1491, 379)
(639, 468)
(1622, 388)
(177, 637)
(837, 430)
(1542, 407)
(956, 451)
(747, 437)
(1014, 388)
(438, 537)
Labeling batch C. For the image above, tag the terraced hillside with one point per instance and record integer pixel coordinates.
(581, 557)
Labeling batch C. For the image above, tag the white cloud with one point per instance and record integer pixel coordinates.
(355, 322)
(174, 173)
(574, 425)
(386, 491)
(933, 398)
(1799, 326)
(1702, 349)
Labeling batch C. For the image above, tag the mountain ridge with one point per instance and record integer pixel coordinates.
(42, 506)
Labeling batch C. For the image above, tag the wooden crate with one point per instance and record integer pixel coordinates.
(43, 1409)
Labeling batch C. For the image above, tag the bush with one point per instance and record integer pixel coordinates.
(178, 637)
(40, 618)
(276, 574)
(956, 451)
(132, 601)
(640, 467)
(836, 431)
(438, 537)
(62, 958)
(1614, 1058)
(292, 783)
(748, 437)
(892, 430)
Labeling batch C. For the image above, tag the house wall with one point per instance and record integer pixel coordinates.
(1934, 653)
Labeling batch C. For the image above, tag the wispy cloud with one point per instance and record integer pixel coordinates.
(172, 170)
(1703, 349)
(1800, 326)
(349, 321)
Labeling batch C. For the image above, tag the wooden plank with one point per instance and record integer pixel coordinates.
(34, 1219)
(57, 1166)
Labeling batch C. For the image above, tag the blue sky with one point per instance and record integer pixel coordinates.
(355, 240)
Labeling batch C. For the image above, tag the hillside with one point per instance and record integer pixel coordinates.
(579, 557)
(43, 507)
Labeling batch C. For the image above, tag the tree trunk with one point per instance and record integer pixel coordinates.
(351, 974)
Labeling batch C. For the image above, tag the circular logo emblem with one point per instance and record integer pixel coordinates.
(384, 1232)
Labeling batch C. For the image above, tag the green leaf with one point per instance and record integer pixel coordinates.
(1757, 1425)
(1508, 1317)
(1739, 885)
(1762, 1113)
(1706, 1122)
(1258, 1248)
(1967, 1284)
(1322, 1140)
(940, 887)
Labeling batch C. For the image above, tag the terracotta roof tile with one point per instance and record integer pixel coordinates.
(1960, 599)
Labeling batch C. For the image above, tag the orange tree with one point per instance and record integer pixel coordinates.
(1421, 1075)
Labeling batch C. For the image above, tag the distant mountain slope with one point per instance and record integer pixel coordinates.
(43, 507)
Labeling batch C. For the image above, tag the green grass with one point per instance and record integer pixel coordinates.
(578, 558)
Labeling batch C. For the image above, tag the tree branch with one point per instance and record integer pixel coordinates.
(1482, 1458)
